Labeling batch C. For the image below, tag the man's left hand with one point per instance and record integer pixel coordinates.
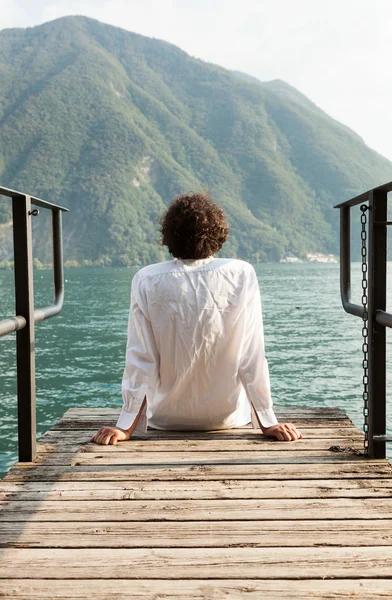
(284, 432)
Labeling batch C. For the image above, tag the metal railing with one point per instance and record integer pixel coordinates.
(377, 318)
(26, 317)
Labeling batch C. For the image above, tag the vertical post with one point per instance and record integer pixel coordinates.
(377, 282)
(345, 254)
(58, 266)
(345, 262)
(25, 351)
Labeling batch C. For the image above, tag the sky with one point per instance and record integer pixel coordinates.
(336, 52)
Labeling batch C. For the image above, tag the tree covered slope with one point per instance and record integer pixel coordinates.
(114, 124)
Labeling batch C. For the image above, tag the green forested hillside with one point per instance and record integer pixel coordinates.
(114, 124)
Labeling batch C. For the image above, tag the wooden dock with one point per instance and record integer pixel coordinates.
(197, 515)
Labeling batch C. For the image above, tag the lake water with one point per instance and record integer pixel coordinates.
(314, 352)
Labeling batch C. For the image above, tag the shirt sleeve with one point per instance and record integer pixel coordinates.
(141, 371)
(253, 370)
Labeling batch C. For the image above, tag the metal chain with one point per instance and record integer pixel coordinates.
(365, 346)
(365, 330)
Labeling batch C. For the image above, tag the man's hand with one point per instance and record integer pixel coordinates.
(284, 432)
(111, 435)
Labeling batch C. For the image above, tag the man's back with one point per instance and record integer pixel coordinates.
(195, 352)
(197, 322)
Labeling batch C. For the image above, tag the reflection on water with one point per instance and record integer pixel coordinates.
(313, 347)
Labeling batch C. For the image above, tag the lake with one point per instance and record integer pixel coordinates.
(313, 347)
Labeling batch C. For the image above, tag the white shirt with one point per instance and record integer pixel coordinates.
(196, 347)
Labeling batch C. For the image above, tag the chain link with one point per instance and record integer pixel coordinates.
(365, 346)
(365, 330)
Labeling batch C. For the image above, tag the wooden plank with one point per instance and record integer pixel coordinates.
(282, 415)
(199, 534)
(187, 445)
(192, 490)
(374, 469)
(305, 407)
(197, 563)
(304, 423)
(195, 510)
(211, 589)
(287, 411)
(114, 458)
(77, 436)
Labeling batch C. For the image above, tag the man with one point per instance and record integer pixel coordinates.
(195, 355)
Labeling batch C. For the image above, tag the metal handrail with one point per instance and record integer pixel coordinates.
(345, 263)
(386, 187)
(26, 317)
(19, 322)
(378, 318)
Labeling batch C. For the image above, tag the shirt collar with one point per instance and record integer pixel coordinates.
(194, 262)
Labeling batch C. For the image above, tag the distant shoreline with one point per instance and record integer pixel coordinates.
(73, 264)
(312, 257)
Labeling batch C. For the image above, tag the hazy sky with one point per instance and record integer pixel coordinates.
(337, 52)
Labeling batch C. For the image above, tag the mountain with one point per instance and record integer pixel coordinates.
(113, 125)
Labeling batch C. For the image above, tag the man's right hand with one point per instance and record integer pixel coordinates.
(111, 435)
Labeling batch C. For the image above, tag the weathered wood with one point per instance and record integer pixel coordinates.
(192, 490)
(211, 589)
(195, 510)
(168, 513)
(300, 415)
(198, 563)
(78, 436)
(199, 534)
(292, 411)
(191, 458)
(186, 445)
(302, 423)
(378, 469)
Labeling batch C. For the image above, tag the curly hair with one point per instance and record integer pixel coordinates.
(193, 226)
